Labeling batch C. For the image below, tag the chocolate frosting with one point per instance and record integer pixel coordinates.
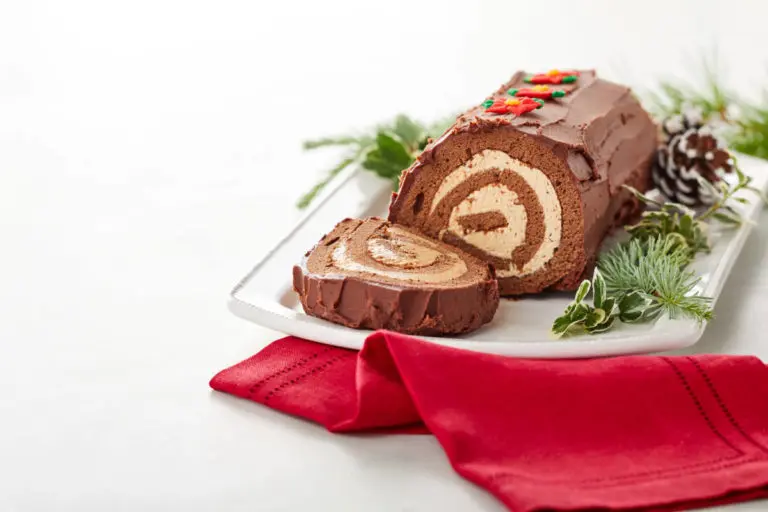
(593, 124)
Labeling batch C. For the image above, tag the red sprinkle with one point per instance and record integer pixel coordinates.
(554, 78)
(523, 106)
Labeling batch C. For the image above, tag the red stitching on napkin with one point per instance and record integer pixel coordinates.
(314, 371)
(723, 407)
(696, 402)
(287, 369)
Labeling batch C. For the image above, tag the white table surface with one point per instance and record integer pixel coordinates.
(149, 153)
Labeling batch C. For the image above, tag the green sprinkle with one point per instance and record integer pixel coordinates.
(558, 94)
(528, 79)
(487, 103)
(540, 102)
(512, 92)
(569, 79)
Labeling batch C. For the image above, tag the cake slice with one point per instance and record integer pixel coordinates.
(533, 191)
(370, 274)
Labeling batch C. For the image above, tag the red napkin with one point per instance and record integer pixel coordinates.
(636, 432)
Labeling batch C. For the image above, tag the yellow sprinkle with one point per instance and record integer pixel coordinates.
(540, 88)
(552, 72)
(512, 103)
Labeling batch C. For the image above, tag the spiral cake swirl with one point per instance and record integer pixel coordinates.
(498, 205)
(375, 275)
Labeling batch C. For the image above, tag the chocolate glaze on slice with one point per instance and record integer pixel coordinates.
(370, 274)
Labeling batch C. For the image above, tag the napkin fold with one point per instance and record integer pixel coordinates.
(634, 432)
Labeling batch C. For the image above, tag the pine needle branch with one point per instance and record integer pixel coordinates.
(744, 123)
(656, 267)
(712, 98)
(310, 195)
(335, 141)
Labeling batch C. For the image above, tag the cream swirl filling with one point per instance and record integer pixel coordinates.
(502, 241)
(411, 258)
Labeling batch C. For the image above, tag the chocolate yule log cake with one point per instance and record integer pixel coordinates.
(531, 180)
(374, 275)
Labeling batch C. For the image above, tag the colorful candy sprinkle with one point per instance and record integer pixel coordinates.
(512, 105)
(538, 91)
(553, 76)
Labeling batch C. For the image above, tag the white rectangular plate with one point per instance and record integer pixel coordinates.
(520, 328)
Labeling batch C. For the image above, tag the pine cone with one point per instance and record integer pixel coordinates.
(677, 124)
(690, 150)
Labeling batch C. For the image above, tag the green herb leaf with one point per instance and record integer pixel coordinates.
(583, 290)
(569, 322)
(642, 197)
(602, 327)
(393, 150)
(381, 166)
(631, 306)
(727, 218)
(408, 131)
(594, 318)
(598, 295)
(580, 311)
(609, 306)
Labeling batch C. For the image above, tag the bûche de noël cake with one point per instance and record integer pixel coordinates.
(534, 194)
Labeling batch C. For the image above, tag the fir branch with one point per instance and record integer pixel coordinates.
(750, 134)
(637, 282)
(656, 268)
(712, 97)
(310, 195)
(744, 123)
(630, 266)
(335, 141)
(674, 293)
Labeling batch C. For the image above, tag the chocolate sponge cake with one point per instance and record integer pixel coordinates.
(533, 192)
(374, 275)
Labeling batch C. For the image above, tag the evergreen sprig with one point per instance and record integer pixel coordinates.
(386, 152)
(646, 277)
(669, 220)
(722, 209)
(601, 315)
(636, 282)
(711, 96)
(750, 132)
(688, 226)
(657, 269)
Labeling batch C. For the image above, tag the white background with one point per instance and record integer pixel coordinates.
(150, 153)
